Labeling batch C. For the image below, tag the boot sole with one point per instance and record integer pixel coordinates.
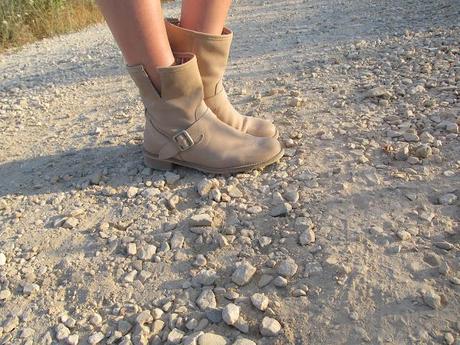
(152, 161)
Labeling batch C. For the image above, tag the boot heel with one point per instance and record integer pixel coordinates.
(157, 164)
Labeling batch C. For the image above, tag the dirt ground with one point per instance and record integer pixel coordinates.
(352, 238)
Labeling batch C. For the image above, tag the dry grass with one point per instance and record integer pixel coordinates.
(24, 21)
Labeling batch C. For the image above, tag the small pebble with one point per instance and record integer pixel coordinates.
(432, 299)
(132, 192)
(95, 338)
(2, 259)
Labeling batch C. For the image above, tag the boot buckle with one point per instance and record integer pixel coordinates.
(183, 140)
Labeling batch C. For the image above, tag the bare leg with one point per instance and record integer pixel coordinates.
(204, 15)
(138, 27)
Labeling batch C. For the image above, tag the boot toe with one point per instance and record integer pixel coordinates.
(262, 128)
(270, 149)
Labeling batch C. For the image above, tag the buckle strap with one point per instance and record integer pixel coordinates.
(183, 140)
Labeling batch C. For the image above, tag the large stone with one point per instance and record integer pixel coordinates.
(144, 317)
(2, 259)
(200, 220)
(243, 273)
(62, 332)
(260, 301)
(243, 341)
(177, 241)
(212, 339)
(95, 338)
(205, 185)
(231, 313)
(206, 300)
(287, 268)
(175, 336)
(270, 327)
(307, 237)
(432, 299)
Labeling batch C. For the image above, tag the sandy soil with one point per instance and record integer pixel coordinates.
(353, 236)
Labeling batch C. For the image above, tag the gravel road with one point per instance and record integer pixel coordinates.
(353, 238)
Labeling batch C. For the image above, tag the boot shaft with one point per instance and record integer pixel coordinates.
(212, 52)
(180, 100)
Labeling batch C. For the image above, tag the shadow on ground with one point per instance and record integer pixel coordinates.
(77, 168)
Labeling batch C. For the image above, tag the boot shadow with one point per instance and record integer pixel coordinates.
(71, 170)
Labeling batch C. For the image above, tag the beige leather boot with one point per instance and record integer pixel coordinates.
(181, 129)
(212, 53)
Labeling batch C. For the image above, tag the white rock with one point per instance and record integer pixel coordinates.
(264, 241)
(307, 237)
(269, 327)
(129, 277)
(157, 326)
(404, 235)
(449, 338)
(5, 294)
(157, 313)
(243, 341)
(62, 332)
(216, 195)
(260, 301)
(95, 319)
(95, 338)
(432, 299)
(231, 313)
(234, 192)
(131, 248)
(175, 336)
(205, 277)
(280, 282)
(205, 185)
(177, 241)
(298, 293)
(146, 252)
(30, 288)
(173, 201)
(200, 220)
(243, 273)
(144, 317)
(287, 268)
(2, 259)
(206, 300)
(72, 339)
(132, 192)
(212, 339)
(27, 332)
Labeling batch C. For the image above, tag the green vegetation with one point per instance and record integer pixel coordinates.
(24, 21)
